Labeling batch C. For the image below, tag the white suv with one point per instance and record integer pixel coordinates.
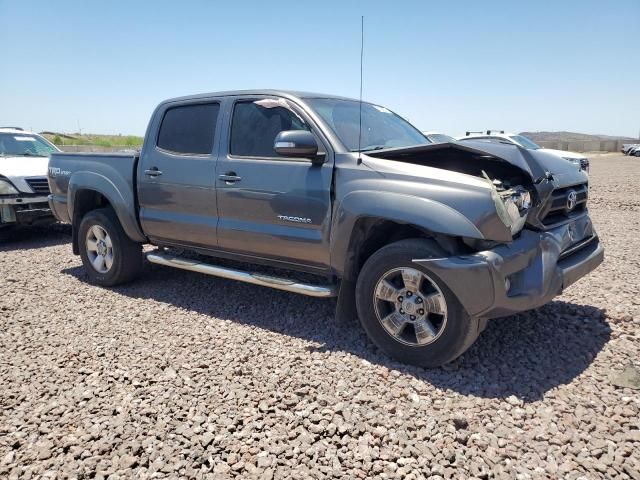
(24, 188)
(500, 136)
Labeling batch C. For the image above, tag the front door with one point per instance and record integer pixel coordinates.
(271, 206)
(176, 179)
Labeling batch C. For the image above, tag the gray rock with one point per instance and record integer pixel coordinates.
(628, 378)
(9, 458)
(460, 422)
(206, 438)
(221, 468)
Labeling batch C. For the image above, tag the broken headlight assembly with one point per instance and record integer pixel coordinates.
(512, 204)
(6, 188)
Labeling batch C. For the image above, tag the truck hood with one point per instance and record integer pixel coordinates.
(563, 153)
(537, 165)
(16, 169)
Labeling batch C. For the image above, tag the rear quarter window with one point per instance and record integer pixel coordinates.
(189, 129)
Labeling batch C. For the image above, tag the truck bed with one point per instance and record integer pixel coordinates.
(112, 175)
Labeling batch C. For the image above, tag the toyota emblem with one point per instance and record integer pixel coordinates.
(572, 200)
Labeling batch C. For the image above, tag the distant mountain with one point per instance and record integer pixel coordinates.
(570, 137)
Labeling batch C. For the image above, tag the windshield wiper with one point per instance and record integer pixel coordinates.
(372, 147)
(28, 154)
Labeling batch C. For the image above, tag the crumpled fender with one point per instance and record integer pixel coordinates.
(428, 214)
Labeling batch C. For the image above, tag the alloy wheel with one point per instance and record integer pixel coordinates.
(410, 306)
(99, 249)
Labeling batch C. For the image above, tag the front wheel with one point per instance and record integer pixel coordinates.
(407, 311)
(109, 256)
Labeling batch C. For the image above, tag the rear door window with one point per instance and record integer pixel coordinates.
(256, 124)
(189, 129)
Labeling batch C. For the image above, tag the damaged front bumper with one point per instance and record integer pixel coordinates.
(25, 211)
(526, 274)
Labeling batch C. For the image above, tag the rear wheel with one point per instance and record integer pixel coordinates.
(109, 256)
(407, 311)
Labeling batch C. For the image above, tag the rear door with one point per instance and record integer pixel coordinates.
(272, 206)
(176, 177)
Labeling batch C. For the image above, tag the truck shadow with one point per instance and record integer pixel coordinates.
(528, 354)
(30, 238)
(524, 355)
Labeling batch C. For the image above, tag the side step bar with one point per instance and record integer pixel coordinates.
(242, 276)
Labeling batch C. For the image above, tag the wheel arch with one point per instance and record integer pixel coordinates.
(370, 234)
(357, 234)
(89, 191)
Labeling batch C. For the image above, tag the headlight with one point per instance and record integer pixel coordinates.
(512, 207)
(6, 188)
(516, 202)
(512, 204)
(575, 161)
(581, 163)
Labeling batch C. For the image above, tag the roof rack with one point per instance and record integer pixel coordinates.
(15, 128)
(499, 131)
(469, 133)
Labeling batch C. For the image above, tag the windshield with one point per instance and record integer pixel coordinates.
(22, 144)
(381, 128)
(525, 142)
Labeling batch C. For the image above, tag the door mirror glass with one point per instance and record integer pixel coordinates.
(296, 143)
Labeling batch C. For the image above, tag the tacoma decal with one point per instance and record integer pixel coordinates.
(287, 218)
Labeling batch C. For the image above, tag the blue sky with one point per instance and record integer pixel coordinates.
(447, 66)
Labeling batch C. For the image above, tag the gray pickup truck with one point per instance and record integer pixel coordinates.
(423, 242)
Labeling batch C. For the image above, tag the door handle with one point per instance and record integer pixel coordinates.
(229, 178)
(153, 172)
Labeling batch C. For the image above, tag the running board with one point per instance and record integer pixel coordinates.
(242, 276)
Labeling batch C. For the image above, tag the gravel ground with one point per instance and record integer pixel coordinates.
(183, 375)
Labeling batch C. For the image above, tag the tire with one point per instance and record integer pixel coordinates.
(456, 330)
(125, 262)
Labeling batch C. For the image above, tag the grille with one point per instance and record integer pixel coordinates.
(558, 212)
(39, 185)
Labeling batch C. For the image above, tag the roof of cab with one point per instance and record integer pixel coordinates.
(280, 93)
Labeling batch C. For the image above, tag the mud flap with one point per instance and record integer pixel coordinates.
(346, 311)
(74, 239)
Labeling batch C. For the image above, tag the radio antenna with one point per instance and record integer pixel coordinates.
(361, 59)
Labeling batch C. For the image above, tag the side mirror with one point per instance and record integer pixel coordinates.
(296, 143)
